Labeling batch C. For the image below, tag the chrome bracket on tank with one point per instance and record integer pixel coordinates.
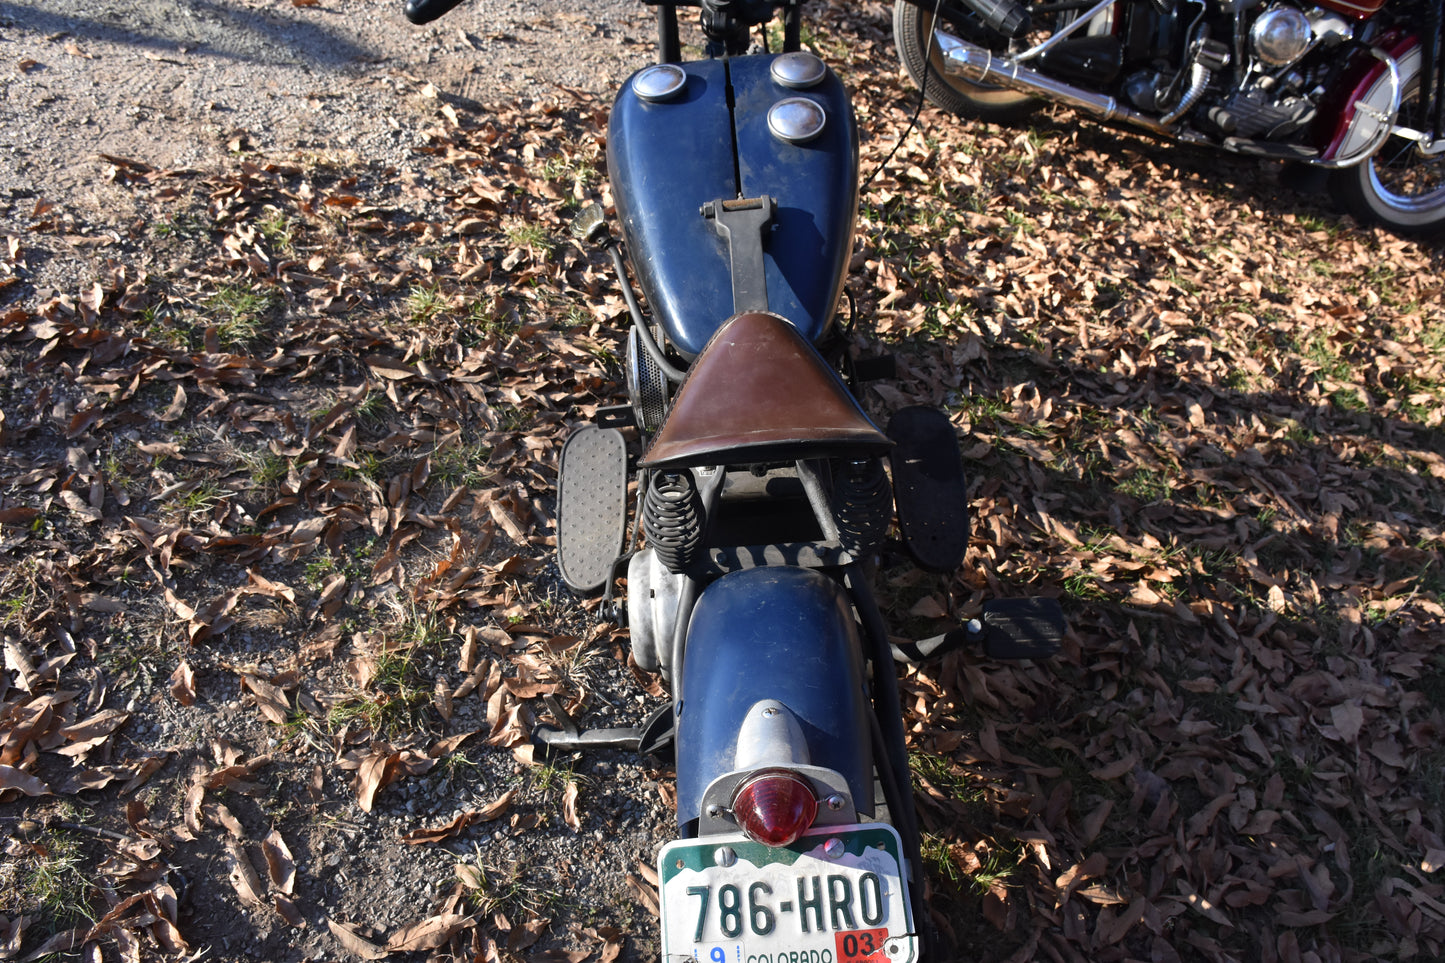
(744, 223)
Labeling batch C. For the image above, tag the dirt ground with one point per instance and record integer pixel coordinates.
(202, 85)
(175, 83)
(290, 339)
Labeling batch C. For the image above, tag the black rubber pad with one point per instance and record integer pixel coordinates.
(591, 506)
(929, 489)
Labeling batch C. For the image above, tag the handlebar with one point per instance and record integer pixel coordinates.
(425, 11)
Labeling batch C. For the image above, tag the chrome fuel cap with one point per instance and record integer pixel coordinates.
(798, 70)
(797, 120)
(659, 82)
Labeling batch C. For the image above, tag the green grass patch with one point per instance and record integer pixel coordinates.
(240, 311)
(50, 883)
(532, 237)
(1147, 485)
(425, 302)
(398, 695)
(462, 464)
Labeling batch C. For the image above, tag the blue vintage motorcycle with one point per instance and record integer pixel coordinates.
(764, 491)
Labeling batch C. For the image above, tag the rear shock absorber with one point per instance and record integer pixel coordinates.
(672, 518)
(863, 504)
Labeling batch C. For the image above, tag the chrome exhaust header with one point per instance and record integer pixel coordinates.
(977, 65)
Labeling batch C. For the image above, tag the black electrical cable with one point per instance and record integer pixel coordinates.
(922, 91)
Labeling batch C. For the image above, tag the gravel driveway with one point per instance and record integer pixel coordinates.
(183, 82)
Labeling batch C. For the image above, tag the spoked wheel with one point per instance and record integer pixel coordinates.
(1400, 187)
(912, 31)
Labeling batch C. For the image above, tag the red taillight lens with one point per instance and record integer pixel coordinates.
(775, 807)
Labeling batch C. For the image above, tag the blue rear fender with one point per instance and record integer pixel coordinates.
(772, 633)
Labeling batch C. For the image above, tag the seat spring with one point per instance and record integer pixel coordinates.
(672, 519)
(863, 504)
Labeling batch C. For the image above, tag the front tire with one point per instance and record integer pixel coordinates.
(912, 33)
(1398, 187)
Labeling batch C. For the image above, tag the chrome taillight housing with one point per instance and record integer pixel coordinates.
(775, 807)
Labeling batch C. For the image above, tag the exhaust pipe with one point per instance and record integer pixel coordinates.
(977, 65)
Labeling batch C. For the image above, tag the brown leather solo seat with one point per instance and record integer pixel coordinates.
(759, 392)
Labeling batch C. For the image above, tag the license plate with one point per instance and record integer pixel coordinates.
(837, 895)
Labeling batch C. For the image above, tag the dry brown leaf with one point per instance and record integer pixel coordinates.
(12, 933)
(353, 942)
(376, 772)
(220, 815)
(279, 864)
(569, 807)
(646, 895)
(62, 942)
(21, 781)
(183, 684)
(527, 934)
(191, 809)
(270, 699)
(89, 733)
(428, 934)
(243, 875)
(18, 661)
(1093, 866)
(470, 876)
(176, 408)
(1115, 769)
(493, 810)
(287, 910)
(445, 747)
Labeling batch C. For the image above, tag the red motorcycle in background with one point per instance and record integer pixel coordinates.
(1351, 86)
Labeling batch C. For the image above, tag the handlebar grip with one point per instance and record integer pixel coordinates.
(425, 11)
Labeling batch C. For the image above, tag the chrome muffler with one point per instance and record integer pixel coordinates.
(977, 65)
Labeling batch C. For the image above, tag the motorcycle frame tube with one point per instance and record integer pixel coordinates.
(669, 46)
(1044, 46)
(889, 740)
(775, 632)
(1430, 49)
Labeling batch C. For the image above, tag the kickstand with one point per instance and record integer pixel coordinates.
(563, 717)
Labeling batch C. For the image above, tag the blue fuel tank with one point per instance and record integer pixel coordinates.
(711, 140)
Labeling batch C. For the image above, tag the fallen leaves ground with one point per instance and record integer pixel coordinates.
(277, 470)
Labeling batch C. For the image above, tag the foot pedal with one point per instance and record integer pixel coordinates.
(555, 743)
(1022, 628)
(591, 506)
(1008, 629)
(929, 488)
(654, 738)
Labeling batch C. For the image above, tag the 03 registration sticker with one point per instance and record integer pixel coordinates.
(837, 895)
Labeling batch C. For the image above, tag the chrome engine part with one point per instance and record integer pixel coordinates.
(652, 597)
(1280, 36)
(1280, 92)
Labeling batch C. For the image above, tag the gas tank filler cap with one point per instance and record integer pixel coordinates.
(796, 120)
(798, 70)
(659, 82)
